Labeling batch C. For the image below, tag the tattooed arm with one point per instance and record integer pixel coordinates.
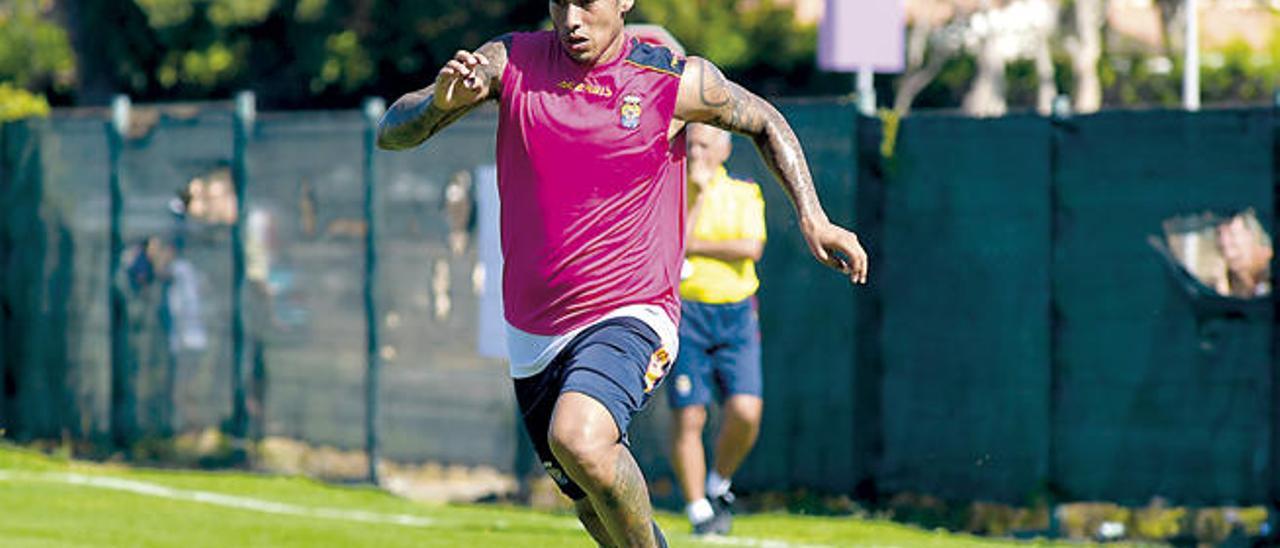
(706, 96)
(464, 83)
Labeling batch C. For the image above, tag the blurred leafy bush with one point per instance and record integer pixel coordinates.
(18, 103)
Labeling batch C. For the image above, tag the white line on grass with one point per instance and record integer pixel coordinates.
(218, 499)
(280, 508)
(752, 542)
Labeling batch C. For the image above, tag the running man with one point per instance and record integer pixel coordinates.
(719, 330)
(590, 155)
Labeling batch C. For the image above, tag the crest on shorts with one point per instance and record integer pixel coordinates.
(659, 362)
(630, 112)
(684, 385)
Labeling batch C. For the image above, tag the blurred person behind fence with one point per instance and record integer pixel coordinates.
(1246, 248)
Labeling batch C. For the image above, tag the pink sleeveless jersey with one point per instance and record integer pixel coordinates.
(592, 191)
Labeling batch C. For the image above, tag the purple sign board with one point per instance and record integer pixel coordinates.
(862, 33)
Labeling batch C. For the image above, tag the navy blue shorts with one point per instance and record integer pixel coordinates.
(618, 362)
(720, 348)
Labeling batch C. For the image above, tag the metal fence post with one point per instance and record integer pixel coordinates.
(373, 109)
(1273, 506)
(867, 391)
(6, 416)
(245, 112)
(1061, 116)
(122, 397)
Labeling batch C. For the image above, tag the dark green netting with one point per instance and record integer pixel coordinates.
(1151, 399)
(1020, 331)
(806, 320)
(305, 200)
(29, 366)
(441, 397)
(965, 333)
(806, 315)
(74, 154)
(178, 313)
(53, 278)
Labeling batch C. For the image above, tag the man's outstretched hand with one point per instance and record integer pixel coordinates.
(837, 248)
(459, 83)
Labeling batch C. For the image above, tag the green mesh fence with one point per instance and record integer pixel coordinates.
(75, 167)
(439, 399)
(434, 279)
(806, 315)
(52, 260)
(303, 237)
(24, 248)
(1151, 397)
(304, 264)
(1020, 335)
(806, 312)
(176, 268)
(965, 332)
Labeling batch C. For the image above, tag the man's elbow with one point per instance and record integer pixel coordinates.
(756, 251)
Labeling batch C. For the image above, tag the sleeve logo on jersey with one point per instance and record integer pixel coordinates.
(630, 111)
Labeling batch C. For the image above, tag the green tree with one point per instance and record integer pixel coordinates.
(17, 103)
(294, 53)
(1237, 74)
(329, 53)
(35, 52)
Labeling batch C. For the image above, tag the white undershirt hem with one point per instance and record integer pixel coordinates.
(529, 354)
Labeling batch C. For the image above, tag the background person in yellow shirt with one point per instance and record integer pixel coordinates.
(719, 330)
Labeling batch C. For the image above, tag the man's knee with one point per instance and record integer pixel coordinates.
(746, 409)
(690, 420)
(583, 435)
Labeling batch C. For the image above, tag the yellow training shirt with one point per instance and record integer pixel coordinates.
(731, 210)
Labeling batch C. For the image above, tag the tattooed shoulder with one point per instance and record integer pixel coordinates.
(713, 87)
(709, 97)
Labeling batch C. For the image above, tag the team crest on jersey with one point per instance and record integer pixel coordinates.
(630, 111)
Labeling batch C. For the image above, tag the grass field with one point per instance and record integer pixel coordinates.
(49, 502)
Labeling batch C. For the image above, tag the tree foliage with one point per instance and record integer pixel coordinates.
(34, 50)
(293, 53)
(18, 103)
(319, 53)
(332, 53)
